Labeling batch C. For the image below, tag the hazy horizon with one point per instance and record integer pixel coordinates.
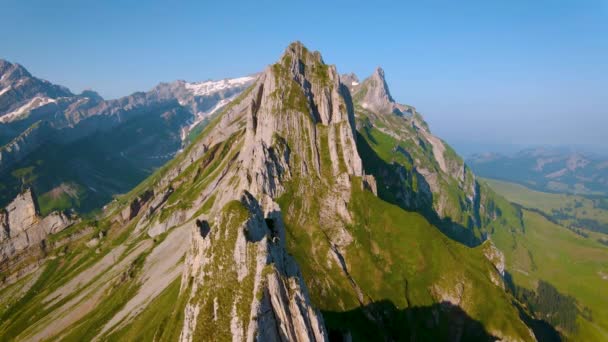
(486, 74)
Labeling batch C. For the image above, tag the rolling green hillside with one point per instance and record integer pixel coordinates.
(586, 216)
(575, 265)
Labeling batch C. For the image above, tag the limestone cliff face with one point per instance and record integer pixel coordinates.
(22, 213)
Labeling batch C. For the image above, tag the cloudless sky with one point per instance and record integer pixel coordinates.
(489, 73)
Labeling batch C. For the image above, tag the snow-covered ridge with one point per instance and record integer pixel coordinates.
(34, 103)
(209, 87)
(202, 115)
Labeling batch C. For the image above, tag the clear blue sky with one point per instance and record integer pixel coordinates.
(491, 71)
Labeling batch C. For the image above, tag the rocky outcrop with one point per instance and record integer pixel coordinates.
(22, 212)
(136, 205)
(369, 183)
(497, 258)
(21, 225)
(297, 124)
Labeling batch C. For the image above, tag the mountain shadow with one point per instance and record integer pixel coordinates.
(382, 321)
(394, 188)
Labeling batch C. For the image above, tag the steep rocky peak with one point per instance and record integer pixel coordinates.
(298, 99)
(379, 85)
(12, 71)
(375, 96)
(298, 122)
(24, 90)
(22, 212)
(324, 97)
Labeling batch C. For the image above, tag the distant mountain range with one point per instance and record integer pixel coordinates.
(546, 169)
(77, 151)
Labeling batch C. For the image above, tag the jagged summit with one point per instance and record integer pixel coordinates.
(300, 99)
(318, 82)
(21, 93)
(374, 95)
(19, 78)
(299, 51)
(12, 71)
(381, 88)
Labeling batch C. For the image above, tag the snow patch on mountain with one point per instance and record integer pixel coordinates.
(34, 103)
(5, 90)
(200, 116)
(208, 87)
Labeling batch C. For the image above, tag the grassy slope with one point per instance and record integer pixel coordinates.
(64, 265)
(384, 146)
(578, 206)
(161, 320)
(394, 249)
(552, 253)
